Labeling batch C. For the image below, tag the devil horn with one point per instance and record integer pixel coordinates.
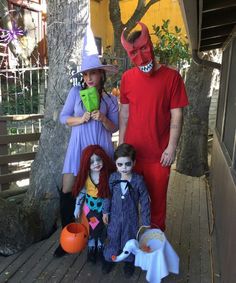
(124, 42)
(144, 32)
(144, 35)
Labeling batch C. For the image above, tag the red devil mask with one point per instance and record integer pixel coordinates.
(141, 50)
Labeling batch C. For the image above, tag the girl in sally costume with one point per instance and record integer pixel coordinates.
(91, 187)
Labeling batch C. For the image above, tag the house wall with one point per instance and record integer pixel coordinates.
(164, 9)
(224, 201)
(223, 167)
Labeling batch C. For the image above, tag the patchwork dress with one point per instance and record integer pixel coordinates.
(123, 211)
(92, 208)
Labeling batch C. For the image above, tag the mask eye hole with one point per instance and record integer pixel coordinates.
(134, 52)
(126, 252)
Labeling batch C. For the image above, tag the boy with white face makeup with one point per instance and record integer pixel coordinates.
(127, 190)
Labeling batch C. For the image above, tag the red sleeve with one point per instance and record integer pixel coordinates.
(179, 97)
(123, 95)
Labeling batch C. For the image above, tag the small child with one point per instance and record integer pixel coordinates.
(128, 190)
(91, 186)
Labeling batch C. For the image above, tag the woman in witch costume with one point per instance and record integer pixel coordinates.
(87, 127)
(91, 187)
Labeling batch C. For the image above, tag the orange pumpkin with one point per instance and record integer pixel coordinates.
(115, 91)
(74, 236)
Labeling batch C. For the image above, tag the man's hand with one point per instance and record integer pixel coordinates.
(168, 156)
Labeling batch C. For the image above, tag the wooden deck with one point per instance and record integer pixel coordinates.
(188, 230)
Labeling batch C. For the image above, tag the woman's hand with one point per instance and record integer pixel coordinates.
(86, 117)
(105, 218)
(97, 115)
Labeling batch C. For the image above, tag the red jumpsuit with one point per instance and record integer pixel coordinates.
(150, 100)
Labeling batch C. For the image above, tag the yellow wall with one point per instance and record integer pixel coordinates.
(164, 9)
(100, 21)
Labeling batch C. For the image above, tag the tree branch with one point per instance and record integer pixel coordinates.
(139, 12)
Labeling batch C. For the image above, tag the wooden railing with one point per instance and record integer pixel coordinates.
(7, 139)
(7, 159)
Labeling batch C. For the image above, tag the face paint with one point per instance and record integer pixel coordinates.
(124, 165)
(141, 51)
(96, 163)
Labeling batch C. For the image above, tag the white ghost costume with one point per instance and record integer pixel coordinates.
(158, 260)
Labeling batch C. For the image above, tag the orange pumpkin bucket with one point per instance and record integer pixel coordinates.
(74, 236)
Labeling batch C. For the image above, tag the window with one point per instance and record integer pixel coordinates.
(223, 89)
(98, 42)
(230, 121)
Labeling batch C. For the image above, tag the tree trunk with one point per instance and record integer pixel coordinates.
(38, 214)
(192, 156)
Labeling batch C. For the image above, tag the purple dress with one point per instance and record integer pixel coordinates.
(92, 132)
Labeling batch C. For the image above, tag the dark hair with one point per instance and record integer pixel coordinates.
(133, 36)
(125, 150)
(102, 81)
(102, 88)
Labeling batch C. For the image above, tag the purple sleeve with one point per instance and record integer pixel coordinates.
(113, 112)
(68, 108)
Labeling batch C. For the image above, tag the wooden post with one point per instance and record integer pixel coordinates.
(3, 151)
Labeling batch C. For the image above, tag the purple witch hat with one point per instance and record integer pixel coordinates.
(90, 59)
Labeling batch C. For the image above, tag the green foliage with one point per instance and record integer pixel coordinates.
(109, 57)
(18, 99)
(170, 47)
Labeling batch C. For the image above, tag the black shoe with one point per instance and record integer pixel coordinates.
(107, 266)
(129, 269)
(100, 256)
(91, 256)
(59, 252)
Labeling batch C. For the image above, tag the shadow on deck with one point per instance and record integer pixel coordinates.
(189, 225)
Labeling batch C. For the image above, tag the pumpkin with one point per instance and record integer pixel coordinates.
(74, 236)
(116, 91)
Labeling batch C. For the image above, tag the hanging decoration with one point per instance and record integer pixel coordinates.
(8, 35)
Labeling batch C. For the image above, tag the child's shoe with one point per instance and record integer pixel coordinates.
(107, 266)
(129, 269)
(91, 256)
(100, 256)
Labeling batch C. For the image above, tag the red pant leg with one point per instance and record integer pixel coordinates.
(156, 178)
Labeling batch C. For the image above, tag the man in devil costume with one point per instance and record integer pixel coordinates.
(152, 97)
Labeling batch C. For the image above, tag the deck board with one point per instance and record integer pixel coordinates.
(187, 230)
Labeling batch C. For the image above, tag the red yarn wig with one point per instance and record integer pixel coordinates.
(107, 169)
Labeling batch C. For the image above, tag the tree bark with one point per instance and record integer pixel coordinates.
(37, 216)
(192, 156)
